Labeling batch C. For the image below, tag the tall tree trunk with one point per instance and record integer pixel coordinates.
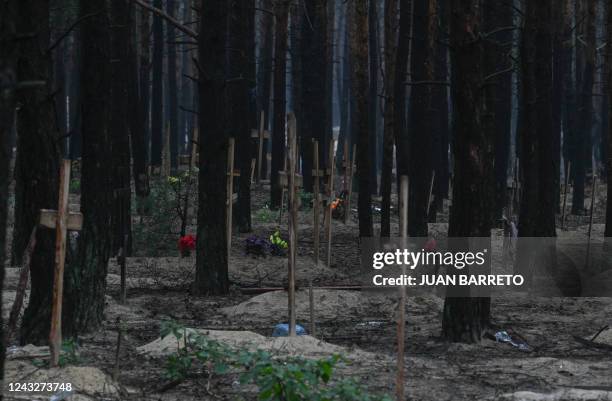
(265, 74)
(121, 220)
(314, 86)
(441, 123)
(582, 140)
(358, 26)
(422, 114)
(391, 32)
(8, 77)
(498, 66)
(401, 73)
(145, 83)
(172, 87)
(608, 232)
(373, 100)
(138, 110)
(36, 167)
(211, 255)
(569, 105)
(537, 212)
(85, 283)
(239, 103)
(186, 119)
(281, 11)
(465, 319)
(157, 94)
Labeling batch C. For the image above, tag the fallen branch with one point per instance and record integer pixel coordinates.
(593, 344)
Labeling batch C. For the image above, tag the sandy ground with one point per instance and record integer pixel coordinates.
(358, 325)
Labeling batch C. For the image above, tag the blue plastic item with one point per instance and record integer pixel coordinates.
(504, 337)
(282, 330)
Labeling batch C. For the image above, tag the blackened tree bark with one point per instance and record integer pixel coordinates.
(85, 282)
(373, 101)
(172, 87)
(36, 167)
(537, 211)
(465, 319)
(358, 26)
(441, 124)
(264, 74)
(8, 79)
(401, 72)
(422, 113)
(157, 92)
(313, 124)
(144, 72)
(498, 66)
(211, 254)
(121, 220)
(281, 10)
(239, 104)
(608, 231)
(582, 139)
(391, 32)
(569, 84)
(138, 111)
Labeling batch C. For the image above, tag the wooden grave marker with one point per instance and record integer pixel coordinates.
(62, 220)
(349, 194)
(292, 211)
(330, 195)
(260, 135)
(401, 318)
(231, 197)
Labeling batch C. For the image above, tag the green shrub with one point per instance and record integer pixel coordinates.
(288, 379)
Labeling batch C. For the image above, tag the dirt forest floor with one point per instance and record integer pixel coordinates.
(360, 327)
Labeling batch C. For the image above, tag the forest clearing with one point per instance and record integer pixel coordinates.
(275, 200)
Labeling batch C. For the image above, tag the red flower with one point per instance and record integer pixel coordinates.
(430, 245)
(187, 243)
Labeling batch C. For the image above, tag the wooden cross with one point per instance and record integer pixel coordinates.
(293, 222)
(230, 196)
(62, 220)
(330, 194)
(260, 136)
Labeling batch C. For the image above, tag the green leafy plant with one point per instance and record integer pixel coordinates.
(75, 186)
(69, 353)
(306, 199)
(277, 379)
(266, 215)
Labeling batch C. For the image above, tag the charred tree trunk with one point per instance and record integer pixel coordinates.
(401, 73)
(608, 232)
(157, 92)
(138, 111)
(172, 87)
(373, 66)
(8, 78)
(358, 25)
(85, 283)
(119, 127)
(465, 319)
(422, 114)
(441, 125)
(211, 254)
(239, 108)
(265, 75)
(537, 212)
(278, 121)
(498, 66)
(314, 86)
(391, 26)
(582, 140)
(145, 84)
(36, 167)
